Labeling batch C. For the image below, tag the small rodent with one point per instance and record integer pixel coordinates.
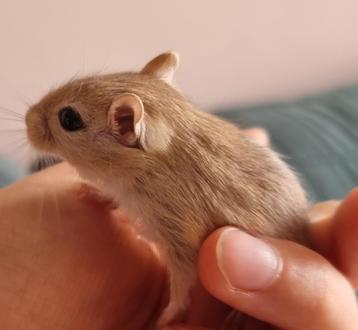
(182, 172)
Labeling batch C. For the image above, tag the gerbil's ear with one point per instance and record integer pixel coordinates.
(163, 66)
(125, 119)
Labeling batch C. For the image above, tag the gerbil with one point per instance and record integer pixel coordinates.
(182, 172)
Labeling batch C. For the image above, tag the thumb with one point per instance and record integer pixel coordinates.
(271, 280)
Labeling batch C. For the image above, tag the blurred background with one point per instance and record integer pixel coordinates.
(234, 54)
(238, 51)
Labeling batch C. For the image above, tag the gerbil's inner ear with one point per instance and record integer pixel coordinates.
(163, 66)
(125, 119)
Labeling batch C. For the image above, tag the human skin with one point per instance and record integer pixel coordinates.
(68, 261)
(308, 292)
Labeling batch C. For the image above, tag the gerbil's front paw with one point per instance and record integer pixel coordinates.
(93, 195)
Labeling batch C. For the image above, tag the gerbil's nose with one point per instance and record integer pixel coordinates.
(27, 118)
(31, 117)
(38, 131)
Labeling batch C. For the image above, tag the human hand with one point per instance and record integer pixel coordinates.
(282, 283)
(68, 262)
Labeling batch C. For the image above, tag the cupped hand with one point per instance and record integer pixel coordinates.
(69, 262)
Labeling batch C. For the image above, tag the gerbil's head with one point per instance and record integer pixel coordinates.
(93, 120)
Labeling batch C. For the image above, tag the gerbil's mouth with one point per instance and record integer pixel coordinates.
(38, 131)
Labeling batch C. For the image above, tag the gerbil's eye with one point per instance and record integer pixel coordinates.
(70, 119)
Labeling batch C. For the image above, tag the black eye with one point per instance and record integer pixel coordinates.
(70, 119)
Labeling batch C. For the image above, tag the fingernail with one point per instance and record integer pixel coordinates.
(246, 262)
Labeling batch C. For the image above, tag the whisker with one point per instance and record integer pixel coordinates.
(15, 150)
(12, 113)
(8, 110)
(20, 96)
(13, 133)
(8, 138)
(13, 140)
(12, 146)
(11, 130)
(25, 100)
(18, 150)
(21, 145)
(12, 119)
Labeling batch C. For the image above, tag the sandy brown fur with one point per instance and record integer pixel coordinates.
(194, 172)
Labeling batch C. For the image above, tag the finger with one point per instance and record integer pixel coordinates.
(334, 229)
(276, 281)
(345, 237)
(258, 134)
(321, 216)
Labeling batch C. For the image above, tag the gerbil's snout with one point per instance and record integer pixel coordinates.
(29, 118)
(38, 130)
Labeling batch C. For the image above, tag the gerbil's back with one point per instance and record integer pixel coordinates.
(215, 176)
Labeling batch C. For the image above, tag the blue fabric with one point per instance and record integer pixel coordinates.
(318, 136)
(9, 172)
